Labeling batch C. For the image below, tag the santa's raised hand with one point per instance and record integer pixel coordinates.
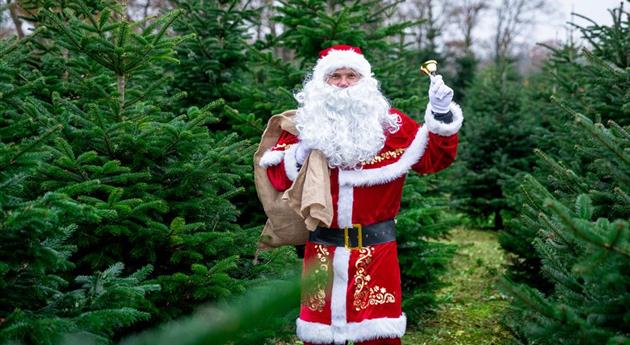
(440, 95)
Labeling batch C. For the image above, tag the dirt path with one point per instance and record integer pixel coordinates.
(471, 309)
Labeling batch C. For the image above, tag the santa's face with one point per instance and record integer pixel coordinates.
(343, 77)
(344, 116)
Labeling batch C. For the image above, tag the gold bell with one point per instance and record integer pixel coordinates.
(429, 67)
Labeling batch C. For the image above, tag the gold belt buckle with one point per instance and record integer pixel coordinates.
(346, 238)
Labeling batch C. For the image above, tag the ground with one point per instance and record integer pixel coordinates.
(471, 306)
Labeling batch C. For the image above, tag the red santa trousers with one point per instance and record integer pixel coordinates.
(361, 299)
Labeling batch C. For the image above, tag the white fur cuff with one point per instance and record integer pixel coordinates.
(441, 128)
(271, 158)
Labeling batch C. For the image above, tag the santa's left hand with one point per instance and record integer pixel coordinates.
(440, 95)
(301, 152)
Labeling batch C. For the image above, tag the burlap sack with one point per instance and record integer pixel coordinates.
(305, 205)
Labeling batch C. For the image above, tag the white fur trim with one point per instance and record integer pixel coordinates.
(441, 128)
(336, 59)
(341, 260)
(344, 205)
(390, 172)
(380, 328)
(313, 332)
(290, 164)
(319, 333)
(271, 158)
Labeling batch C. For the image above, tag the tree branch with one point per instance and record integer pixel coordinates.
(16, 19)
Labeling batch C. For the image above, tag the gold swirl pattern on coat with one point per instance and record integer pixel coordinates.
(365, 296)
(384, 156)
(281, 146)
(317, 299)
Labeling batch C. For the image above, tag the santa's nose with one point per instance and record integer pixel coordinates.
(344, 83)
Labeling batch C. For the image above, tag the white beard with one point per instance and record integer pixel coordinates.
(348, 125)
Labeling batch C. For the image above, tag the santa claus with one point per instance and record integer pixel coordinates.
(368, 148)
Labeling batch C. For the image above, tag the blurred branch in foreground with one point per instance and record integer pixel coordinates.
(245, 320)
(236, 322)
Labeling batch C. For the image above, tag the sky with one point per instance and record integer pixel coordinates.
(550, 25)
(554, 26)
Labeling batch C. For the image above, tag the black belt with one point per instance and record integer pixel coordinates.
(357, 236)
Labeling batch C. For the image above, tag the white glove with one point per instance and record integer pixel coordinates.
(301, 152)
(440, 95)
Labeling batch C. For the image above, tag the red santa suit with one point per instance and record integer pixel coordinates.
(361, 300)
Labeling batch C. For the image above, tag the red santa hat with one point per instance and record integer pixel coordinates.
(341, 56)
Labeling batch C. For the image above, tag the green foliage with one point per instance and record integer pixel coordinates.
(496, 143)
(465, 71)
(92, 156)
(586, 82)
(216, 63)
(129, 142)
(215, 60)
(423, 219)
(575, 206)
(37, 301)
(243, 321)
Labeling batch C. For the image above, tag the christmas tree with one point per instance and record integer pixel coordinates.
(424, 217)
(41, 298)
(121, 177)
(585, 81)
(496, 144)
(217, 55)
(126, 158)
(575, 204)
(584, 248)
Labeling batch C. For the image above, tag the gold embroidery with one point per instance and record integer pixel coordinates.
(317, 298)
(383, 156)
(281, 146)
(365, 296)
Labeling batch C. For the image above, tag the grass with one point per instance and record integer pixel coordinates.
(470, 313)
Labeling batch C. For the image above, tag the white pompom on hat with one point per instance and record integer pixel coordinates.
(341, 56)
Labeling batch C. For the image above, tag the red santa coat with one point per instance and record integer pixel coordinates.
(362, 299)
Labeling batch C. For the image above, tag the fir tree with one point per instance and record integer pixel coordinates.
(465, 69)
(584, 249)
(217, 55)
(575, 204)
(139, 184)
(424, 217)
(39, 301)
(161, 180)
(496, 143)
(588, 82)
(215, 65)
